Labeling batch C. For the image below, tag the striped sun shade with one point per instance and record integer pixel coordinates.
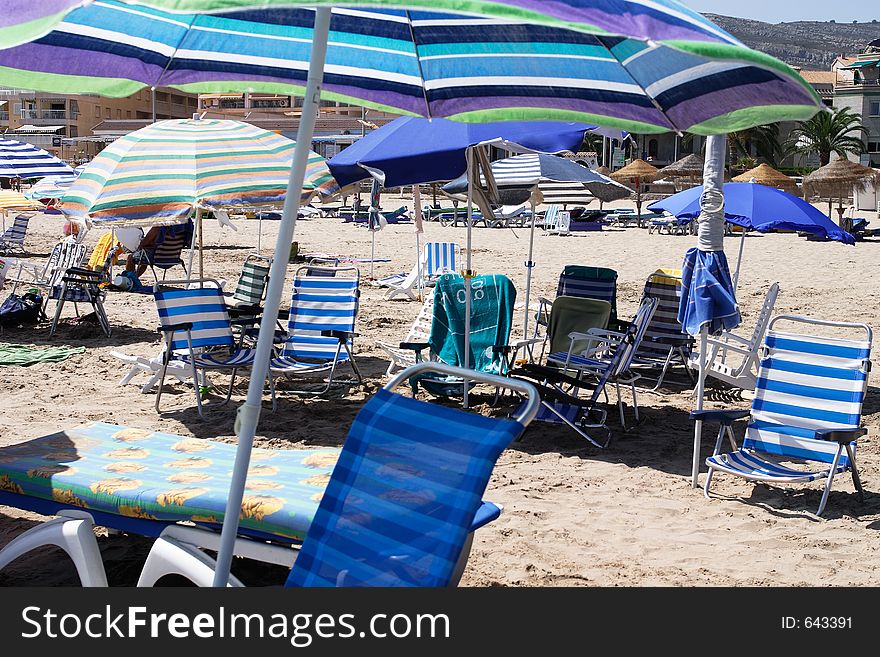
(641, 65)
(160, 173)
(21, 160)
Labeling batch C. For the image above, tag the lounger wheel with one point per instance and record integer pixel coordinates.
(73, 535)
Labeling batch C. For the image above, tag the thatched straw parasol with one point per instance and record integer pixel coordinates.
(837, 179)
(637, 172)
(605, 171)
(766, 175)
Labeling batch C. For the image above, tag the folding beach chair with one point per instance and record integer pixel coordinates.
(585, 282)
(806, 412)
(198, 332)
(80, 285)
(12, 239)
(402, 355)
(491, 318)
(556, 222)
(320, 330)
(583, 367)
(251, 286)
(64, 255)
(167, 252)
(569, 314)
(437, 258)
(734, 359)
(396, 506)
(665, 343)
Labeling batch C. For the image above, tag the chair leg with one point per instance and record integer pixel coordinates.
(169, 556)
(231, 383)
(58, 306)
(857, 482)
(708, 482)
(830, 479)
(74, 535)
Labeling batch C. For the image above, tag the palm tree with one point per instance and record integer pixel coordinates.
(765, 139)
(826, 133)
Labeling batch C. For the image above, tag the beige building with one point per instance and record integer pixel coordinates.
(62, 123)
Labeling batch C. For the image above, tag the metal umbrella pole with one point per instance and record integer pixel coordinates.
(468, 273)
(739, 259)
(529, 266)
(249, 413)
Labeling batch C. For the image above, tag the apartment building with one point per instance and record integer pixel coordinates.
(857, 86)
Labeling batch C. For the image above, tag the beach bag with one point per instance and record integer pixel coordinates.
(24, 310)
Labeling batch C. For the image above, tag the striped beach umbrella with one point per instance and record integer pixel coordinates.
(51, 187)
(641, 65)
(22, 160)
(644, 66)
(12, 200)
(161, 173)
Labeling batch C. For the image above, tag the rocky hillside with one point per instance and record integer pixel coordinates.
(808, 44)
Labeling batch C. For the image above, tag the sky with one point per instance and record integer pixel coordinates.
(776, 11)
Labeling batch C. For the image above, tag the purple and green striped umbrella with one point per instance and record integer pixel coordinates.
(161, 173)
(641, 65)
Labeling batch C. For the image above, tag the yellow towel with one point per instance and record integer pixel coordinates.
(99, 254)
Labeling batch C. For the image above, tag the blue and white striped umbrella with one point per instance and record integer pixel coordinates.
(21, 160)
(51, 187)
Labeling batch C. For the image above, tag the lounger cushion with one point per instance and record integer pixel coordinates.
(152, 475)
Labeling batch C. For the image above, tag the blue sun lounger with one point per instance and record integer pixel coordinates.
(396, 506)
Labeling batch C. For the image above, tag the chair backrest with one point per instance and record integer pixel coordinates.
(321, 303)
(636, 332)
(764, 316)
(665, 286)
(420, 331)
(16, 232)
(439, 258)
(398, 507)
(203, 307)
(171, 243)
(492, 300)
(322, 267)
(64, 256)
(589, 282)
(252, 282)
(551, 217)
(807, 383)
(570, 313)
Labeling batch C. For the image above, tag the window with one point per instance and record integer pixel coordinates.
(97, 111)
(119, 114)
(128, 114)
(653, 148)
(874, 146)
(874, 106)
(106, 112)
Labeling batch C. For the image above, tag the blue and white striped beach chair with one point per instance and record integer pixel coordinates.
(320, 329)
(198, 331)
(437, 258)
(806, 412)
(12, 239)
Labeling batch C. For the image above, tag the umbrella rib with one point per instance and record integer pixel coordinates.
(174, 54)
(419, 64)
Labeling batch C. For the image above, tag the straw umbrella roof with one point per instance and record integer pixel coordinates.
(839, 174)
(605, 171)
(636, 169)
(690, 166)
(766, 175)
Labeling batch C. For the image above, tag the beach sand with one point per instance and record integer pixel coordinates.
(573, 514)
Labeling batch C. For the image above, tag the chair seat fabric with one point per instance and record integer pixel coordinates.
(221, 360)
(577, 361)
(285, 364)
(151, 475)
(746, 463)
(73, 293)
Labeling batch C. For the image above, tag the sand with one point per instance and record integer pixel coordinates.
(573, 514)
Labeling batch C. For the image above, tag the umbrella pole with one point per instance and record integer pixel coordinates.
(467, 272)
(249, 413)
(739, 259)
(529, 265)
(201, 244)
(259, 230)
(698, 425)
(192, 254)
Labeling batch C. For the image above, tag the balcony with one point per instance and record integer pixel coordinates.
(46, 115)
(862, 86)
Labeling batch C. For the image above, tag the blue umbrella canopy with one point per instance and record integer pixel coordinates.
(22, 160)
(761, 208)
(411, 150)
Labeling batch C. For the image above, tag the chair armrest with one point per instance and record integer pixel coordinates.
(239, 311)
(842, 436)
(724, 339)
(415, 346)
(725, 417)
(171, 328)
(485, 514)
(342, 336)
(80, 271)
(519, 344)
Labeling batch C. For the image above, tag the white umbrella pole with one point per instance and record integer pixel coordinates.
(192, 252)
(249, 413)
(529, 266)
(468, 273)
(372, 252)
(739, 259)
(259, 231)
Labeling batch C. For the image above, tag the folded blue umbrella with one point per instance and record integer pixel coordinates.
(707, 296)
(761, 208)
